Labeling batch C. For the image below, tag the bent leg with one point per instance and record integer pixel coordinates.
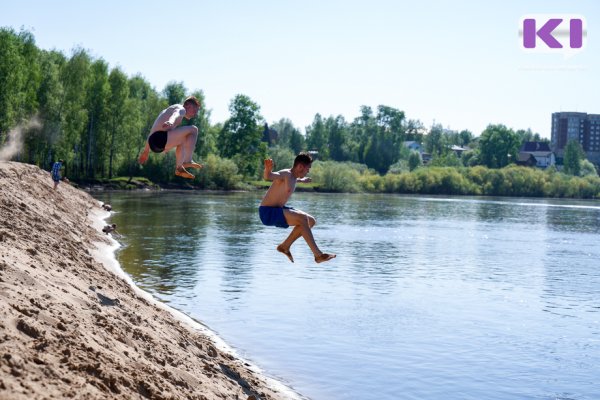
(190, 144)
(297, 232)
(178, 155)
(302, 223)
(178, 137)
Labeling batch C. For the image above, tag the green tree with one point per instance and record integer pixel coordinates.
(297, 142)
(529, 136)
(175, 92)
(498, 146)
(12, 78)
(572, 158)
(337, 132)
(414, 160)
(316, 137)
(288, 135)
(380, 152)
(205, 144)
(465, 137)
(32, 74)
(414, 130)
(435, 143)
(376, 140)
(240, 138)
(362, 130)
(75, 78)
(50, 96)
(145, 105)
(391, 119)
(210, 140)
(96, 138)
(128, 145)
(117, 118)
(391, 123)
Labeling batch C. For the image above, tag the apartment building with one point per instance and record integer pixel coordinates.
(583, 127)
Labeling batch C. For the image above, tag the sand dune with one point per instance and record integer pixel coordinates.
(73, 328)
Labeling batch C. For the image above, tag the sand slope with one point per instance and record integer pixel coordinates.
(71, 328)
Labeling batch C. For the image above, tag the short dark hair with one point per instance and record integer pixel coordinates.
(192, 100)
(303, 158)
(61, 161)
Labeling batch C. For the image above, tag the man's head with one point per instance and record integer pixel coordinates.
(61, 161)
(191, 105)
(302, 164)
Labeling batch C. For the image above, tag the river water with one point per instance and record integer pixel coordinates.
(428, 298)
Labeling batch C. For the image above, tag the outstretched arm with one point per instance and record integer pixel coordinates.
(269, 175)
(268, 172)
(144, 155)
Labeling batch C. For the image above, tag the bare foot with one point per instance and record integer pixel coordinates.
(180, 171)
(324, 257)
(192, 164)
(281, 249)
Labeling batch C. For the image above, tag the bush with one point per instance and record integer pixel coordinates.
(371, 182)
(336, 177)
(586, 168)
(479, 180)
(219, 173)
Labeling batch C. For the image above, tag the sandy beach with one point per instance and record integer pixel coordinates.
(74, 327)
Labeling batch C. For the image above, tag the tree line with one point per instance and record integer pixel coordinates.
(97, 119)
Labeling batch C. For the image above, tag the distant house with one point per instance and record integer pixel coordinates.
(526, 160)
(414, 146)
(544, 157)
(458, 150)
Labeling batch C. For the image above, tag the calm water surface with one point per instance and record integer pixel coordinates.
(429, 298)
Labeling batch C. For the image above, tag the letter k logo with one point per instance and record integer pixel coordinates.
(553, 33)
(544, 33)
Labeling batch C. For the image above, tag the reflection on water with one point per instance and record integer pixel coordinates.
(429, 298)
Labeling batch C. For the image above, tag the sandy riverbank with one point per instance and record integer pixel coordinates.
(73, 327)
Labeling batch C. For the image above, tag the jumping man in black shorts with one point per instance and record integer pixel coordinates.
(167, 133)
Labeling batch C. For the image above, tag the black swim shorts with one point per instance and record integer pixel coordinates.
(158, 141)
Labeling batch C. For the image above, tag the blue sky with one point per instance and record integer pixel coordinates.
(458, 63)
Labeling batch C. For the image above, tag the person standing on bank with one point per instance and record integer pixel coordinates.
(56, 167)
(273, 211)
(167, 133)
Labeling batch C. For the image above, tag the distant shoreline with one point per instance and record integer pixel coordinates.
(510, 181)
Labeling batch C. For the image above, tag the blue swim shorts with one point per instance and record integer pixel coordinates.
(273, 216)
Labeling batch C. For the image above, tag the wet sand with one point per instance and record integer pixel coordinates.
(74, 326)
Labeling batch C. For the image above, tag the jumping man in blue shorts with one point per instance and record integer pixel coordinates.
(273, 211)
